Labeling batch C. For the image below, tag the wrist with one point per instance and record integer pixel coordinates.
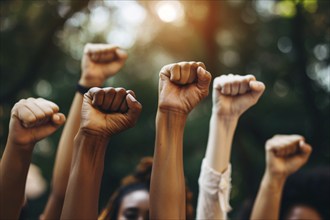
(171, 116)
(216, 111)
(90, 81)
(273, 180)
(222, 118)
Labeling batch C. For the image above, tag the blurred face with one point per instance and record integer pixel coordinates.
(303, 212)
(135, 206)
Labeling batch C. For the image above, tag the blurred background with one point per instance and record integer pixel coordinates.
(284, 43)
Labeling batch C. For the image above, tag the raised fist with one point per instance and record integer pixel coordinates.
(108, 111)
(234, 94)
(285, 154)
(32, 120)
(182, 86)
(99, 62)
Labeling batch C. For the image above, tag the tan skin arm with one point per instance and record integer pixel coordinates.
(96, 129)
(285, 154)
(100, 61)
(181, 87)
(31, 120)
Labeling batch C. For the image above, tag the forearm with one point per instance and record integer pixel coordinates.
(63, 160)
(14, 167)
(267, 203)
(167, 190)
(81, 199)
(220, 139)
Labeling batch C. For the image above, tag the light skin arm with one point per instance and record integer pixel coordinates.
(99, 62)
(181, 87)
(31, 120)
(285, 154)
(105, 112)
(232, 96)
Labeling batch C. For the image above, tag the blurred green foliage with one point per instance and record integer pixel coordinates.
(283, 43)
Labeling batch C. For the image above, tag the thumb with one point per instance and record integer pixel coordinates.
(203, 78)
(257, 88)
(134, 108)
(58, 119)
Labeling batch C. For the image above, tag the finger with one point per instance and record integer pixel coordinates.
(201, 64)
(118, 99)
(26, 116)
(47, 107)
(244, 85)
(98, 96)
(225, 85)
(106, 56)
(193, 73)
(134, 109)
(184, 73)
(109, 96)
(175, 73)
(58, 118)
(257, 88)
(121, 54)
(305, 148)
(235, 84)
(203, 78)
(91, 92)
(124, 107)
(37, 111)
(52, 105)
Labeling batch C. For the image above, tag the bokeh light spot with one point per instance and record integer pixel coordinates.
(169, 11)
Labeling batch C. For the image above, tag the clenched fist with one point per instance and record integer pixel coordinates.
(32, 120)
(234, 94)
(99, 62)
(182, 86)
(285, 154)
(108, 111)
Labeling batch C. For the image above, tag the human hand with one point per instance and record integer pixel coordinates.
(182, 86)
(99, 62)
(234, 94)
(32, 120)
(285, 154)
(109, 111)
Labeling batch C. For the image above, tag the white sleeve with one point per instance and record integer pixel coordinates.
(214, 191)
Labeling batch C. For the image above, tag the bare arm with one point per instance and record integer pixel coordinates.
(96, 129)
(285, 154)
(99, 62)
(181, 87)
(232, 96)
(31, 120)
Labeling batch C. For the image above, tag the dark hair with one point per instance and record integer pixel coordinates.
(309, 188)
(139, 180)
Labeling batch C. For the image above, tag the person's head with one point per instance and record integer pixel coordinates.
(131, 200)
(305, 196)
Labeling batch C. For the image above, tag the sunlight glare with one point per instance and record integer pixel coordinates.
(169, 11)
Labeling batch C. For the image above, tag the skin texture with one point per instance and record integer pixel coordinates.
(181, 87)
(99, 62)
(31, 120)
(135, 205)
(100, 119)
(232, 95)
(285, 154)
